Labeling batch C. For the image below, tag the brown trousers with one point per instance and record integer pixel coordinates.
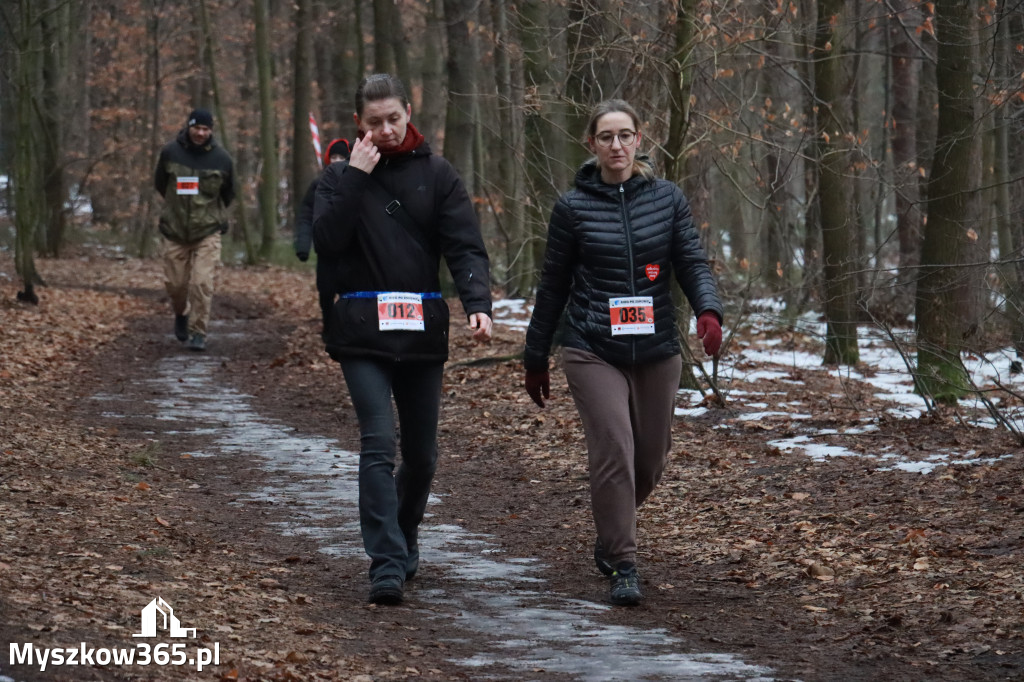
(627, 414)
(188, 276)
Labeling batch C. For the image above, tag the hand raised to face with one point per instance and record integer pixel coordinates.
(365, 154)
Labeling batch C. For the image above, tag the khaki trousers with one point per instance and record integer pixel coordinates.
(627, 414)
(188, 276)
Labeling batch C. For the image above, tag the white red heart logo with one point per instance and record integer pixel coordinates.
(652, 271)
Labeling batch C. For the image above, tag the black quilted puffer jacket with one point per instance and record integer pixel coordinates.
(607, 241)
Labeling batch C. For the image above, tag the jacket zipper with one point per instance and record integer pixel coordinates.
(188, 211)
(629, 255)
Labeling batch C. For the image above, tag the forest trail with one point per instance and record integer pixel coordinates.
(223, 483)
(497, 605)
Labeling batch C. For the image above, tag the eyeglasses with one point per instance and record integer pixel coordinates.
(626, 138)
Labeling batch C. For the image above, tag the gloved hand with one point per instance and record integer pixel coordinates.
(223, 227)
(709, 330)
(303, 255)
(538, 382)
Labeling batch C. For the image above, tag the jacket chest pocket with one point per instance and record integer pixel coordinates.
(210, 183)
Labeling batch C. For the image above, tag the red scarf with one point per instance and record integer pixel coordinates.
(413, 139)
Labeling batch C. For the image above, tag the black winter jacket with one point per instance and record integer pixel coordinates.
(608, 241)
(304, 220)
(326, 266)
(377, 254)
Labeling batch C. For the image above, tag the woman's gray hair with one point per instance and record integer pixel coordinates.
(611, 106)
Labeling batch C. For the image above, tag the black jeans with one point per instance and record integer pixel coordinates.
(391, 506)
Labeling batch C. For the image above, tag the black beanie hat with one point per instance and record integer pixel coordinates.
(200, 117)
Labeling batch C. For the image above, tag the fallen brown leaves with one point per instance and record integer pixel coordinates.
(92, 529)
(923, 568)
(865, 562)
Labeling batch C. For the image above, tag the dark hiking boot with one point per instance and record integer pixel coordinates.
(197, 342)
(181, 327)
(601, 559)
(626, 585)
(386, 590)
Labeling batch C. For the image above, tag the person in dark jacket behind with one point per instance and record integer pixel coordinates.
(388, 215)
(195, 176)
(337, 150)
(614, 243)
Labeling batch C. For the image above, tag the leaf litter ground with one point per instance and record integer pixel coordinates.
(818, 568)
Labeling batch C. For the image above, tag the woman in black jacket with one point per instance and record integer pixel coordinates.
(614, 242)
(387, 216)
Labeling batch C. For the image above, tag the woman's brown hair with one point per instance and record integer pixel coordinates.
(611, 106)
(379, 86)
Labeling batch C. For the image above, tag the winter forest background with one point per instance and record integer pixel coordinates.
(861, 159)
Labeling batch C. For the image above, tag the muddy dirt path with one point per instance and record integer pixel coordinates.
(281, 480)
(241, 512)
(498, 597)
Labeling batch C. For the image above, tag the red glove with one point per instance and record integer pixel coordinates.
(709, 330)
(537, 383)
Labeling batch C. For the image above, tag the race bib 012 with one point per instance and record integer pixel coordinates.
(400, 311)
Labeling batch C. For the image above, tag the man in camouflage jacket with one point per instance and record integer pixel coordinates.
(196, 178)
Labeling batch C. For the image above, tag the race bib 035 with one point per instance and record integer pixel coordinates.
(632, 315)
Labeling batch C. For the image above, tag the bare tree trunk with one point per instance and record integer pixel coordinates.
(304, 163)
(460, 123)
(838, 253)
(777, 265)
(1010, 284)
(25, 49)
(360, 49)
(679, 88)
(812, 265)
(944, 290)
(680, 69)
(57, 33)
(399, 44)
(1016, 169)
(903, 138)
(861, 204)
(240, 203)
(586, 81)
(155, 81)
(927, 117)
(545, 134)
(383, 50)
(268, 124)
(435, 100)
(340, 62)
(511, 221)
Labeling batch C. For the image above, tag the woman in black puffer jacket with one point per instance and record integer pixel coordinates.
(614, 243)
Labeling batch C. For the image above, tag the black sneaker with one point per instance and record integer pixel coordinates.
(196, 342)
(601, 559)
(386, 590)
(181, 327)
(626, 585)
